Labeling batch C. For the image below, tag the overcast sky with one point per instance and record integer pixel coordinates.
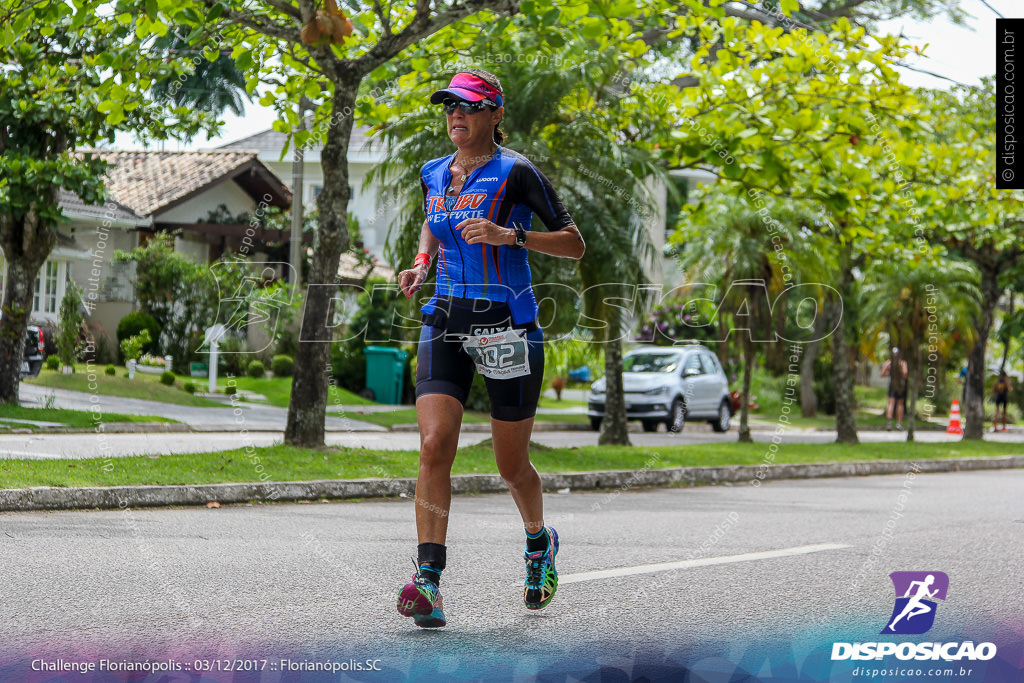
(962, 53)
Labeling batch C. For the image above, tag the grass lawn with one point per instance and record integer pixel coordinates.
(144, 386)
(565, 403)
(285, 463)
(279, 389)
(9, 414)
(147, 386)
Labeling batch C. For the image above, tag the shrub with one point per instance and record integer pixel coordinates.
(167, 378)
(282, 365)
(52, 362)
(256, 369)
(69, 330)
(133, 323)
(111, 370)
(348, 365)
(131, 348)
(234, 356)
(230, 390)
(190, 387)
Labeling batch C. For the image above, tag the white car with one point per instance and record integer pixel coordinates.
(669, 384)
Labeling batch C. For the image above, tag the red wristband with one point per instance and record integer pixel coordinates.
(422, 259)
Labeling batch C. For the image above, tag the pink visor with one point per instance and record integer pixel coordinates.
(469, 87)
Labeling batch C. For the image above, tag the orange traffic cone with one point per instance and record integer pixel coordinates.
(954, 419)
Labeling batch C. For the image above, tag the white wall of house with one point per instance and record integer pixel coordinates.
(374, 217)
(108, 289)
(196, 209)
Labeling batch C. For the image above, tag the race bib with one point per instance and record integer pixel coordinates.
(503, 355)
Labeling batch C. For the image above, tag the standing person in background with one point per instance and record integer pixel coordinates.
(1001, 396)
(482, 318)
(896, 370)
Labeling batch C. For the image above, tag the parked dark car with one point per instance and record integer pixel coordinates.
(34, 347)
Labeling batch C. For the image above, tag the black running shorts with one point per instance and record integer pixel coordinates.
(444, 367)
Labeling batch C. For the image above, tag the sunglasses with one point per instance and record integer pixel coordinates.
(467, 107)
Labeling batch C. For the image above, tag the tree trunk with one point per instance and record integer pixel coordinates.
(614, 427)
(26, 247)
(748, 362)
(777, 350)
(912, 384)
(1006, 344)
(308, 405)
(974, 413)
(808, 399)
(846, 425)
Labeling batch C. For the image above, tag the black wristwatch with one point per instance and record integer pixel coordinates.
(520, 236)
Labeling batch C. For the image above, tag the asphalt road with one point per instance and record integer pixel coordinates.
(90, 445)
(319, 580)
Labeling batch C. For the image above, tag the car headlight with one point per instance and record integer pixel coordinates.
(596, 390)
(656, 391)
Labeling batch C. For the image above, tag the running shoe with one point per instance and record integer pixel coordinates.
(541, 576)
(421, 600)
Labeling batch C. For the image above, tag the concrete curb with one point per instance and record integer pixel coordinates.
(58, 498)
(108, 428)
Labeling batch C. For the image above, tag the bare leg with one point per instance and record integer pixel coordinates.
(440, 418)
(512, 454)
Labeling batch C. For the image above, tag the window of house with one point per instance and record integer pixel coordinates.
(45, 299)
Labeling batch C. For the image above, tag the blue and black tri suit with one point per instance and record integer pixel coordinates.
(484, 288)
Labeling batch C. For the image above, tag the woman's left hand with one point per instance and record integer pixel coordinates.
(477, 230)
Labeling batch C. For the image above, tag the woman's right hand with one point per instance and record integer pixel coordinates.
(409, 281)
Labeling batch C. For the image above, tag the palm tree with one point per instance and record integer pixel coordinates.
(577, 131)
(731, 241)
(918, 302)
(212, 86)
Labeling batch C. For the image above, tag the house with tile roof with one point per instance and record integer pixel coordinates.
(364, 152)
(376, 216)
(151, 192)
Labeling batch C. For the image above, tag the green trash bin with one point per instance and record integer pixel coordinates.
(385, 368)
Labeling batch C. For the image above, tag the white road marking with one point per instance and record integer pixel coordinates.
(704, 562)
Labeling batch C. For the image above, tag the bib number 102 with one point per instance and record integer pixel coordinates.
(498, 356)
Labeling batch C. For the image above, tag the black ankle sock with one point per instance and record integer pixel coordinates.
(433, 555)
(538, 542)
(430, 574)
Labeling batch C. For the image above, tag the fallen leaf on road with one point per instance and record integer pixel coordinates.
(212, 504)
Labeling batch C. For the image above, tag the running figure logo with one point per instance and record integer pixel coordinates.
(914, 611)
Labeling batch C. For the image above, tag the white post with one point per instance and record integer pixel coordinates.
(167, 363)
(131, 368)
(213, 367)
(213, 336)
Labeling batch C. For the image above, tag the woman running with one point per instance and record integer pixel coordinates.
(482, 318)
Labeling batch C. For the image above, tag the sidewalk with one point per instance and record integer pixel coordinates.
(232, 418)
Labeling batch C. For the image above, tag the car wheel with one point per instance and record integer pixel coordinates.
(650, 425)
(676, 416)
(595, 424)
(721, 424)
